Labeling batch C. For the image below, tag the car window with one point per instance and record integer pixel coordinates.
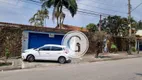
(46, 48)
(54, 48)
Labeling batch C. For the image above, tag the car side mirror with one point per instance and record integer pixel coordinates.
(37, 49)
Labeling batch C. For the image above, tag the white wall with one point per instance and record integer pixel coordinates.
(25, 38)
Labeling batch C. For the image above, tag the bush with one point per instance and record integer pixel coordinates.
(113, 48)
(133, 49)
(7, 53)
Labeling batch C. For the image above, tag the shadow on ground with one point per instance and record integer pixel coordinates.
(139, 74)
(45, 61)
(104, 56)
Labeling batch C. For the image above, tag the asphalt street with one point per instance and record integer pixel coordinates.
(127, 69)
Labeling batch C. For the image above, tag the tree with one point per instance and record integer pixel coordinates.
(92, 27)
(117, 25)
(62, 17)
(98, 37)
(139, 25)
(111, 24)
(58, 5)
(39, 18)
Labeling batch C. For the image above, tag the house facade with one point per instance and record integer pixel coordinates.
(17, 37)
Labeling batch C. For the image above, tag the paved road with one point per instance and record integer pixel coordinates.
(128, 69)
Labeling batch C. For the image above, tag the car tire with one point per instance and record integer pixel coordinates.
(62, 60)
(30, 58)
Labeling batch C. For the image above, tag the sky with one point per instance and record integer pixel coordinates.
(20, 11)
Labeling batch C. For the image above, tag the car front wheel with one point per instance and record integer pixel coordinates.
(30, 58)
(62, 60)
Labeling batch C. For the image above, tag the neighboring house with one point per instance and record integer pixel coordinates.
(70, 27)
(139, 39)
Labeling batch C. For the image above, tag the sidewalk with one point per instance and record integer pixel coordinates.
(109, 56)
(19, 64)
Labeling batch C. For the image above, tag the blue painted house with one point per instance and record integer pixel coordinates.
(34, 39)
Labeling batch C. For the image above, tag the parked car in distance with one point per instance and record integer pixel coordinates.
(47, 52)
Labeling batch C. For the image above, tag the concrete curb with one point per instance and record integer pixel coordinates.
(119, 58)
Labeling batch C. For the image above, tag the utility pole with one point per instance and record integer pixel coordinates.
(100, 23)
(129, 25)
(129, 17)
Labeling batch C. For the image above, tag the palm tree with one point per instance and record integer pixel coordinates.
(62, 17)
(56, 15)
(58, 5)
(39, 18)
(32, 20)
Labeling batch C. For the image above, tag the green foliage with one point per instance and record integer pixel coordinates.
(92, 27)
(133, 49)
(131, 39)
(58, 5)
(81, 28)
(98, 36)
(113, 46)
(7, 53)
(39, 17)
(117, 25)
(139, 25)
(5, 64)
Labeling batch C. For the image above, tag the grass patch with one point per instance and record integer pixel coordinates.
(5, 64)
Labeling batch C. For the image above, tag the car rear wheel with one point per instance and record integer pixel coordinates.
(62, 60)
(30, 58)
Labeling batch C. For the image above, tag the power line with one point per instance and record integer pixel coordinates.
(78, 8)
(104, 8)
(89, 14)
(80, 11)
(85, 5)
(103, 3)
(38, 3)
(104, 14)
(136, 7)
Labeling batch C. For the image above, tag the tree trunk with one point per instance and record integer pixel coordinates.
(60, 17)
(138, 48)
(129, 49)
(97, 55)
(58, 22)
(62, 21)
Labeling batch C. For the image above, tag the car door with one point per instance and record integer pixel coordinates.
(55, 52)
(44, 52)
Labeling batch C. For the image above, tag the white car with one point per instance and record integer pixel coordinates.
(47, 52)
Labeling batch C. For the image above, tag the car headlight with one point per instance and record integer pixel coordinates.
(25, 51)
